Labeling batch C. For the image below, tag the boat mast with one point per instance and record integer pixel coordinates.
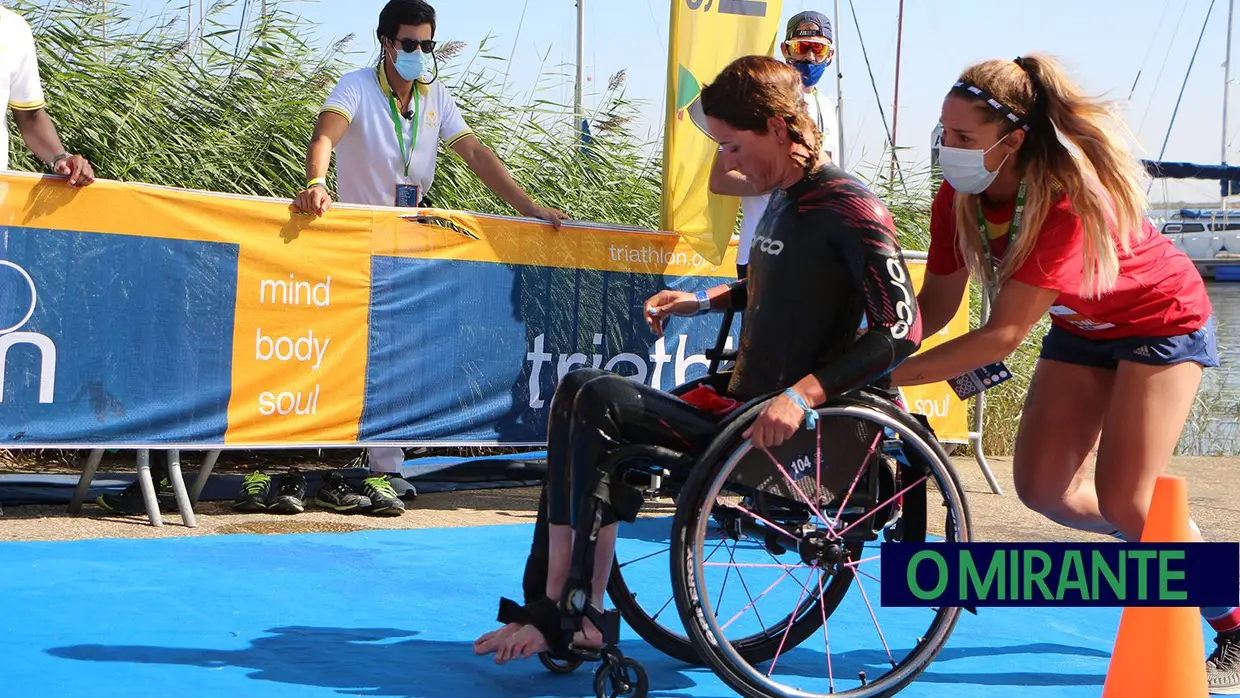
(895, 106)
(1231, 7)
(839, 89)
(578, 113)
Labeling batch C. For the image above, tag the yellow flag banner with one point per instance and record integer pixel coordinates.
(705, 36)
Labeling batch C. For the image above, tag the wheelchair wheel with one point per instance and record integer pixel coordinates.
(651, 612)
(828, 512)
(655, 618)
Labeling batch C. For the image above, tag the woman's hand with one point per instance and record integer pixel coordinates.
(779, 420)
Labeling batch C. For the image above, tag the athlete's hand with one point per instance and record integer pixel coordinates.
(667, 303)
(779, 420)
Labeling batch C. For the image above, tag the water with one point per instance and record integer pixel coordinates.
(1214, 428)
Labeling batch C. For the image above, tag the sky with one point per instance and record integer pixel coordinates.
(1135, 51)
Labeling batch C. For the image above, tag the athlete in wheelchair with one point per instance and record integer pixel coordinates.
(824, 258)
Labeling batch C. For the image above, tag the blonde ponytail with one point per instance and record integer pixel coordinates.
(1075, 145)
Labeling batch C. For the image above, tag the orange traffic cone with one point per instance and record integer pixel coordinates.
(1160, 651)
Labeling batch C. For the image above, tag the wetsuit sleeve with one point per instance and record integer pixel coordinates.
(738, 296)
(864, 235)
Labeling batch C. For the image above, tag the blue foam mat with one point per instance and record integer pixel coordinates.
(394, 613)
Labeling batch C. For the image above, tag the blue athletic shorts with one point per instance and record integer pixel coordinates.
(1198, 345)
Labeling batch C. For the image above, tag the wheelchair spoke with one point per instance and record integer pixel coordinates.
(778, 566)
(876, 509)
(791, 619)
(749, 595)
(759, 518)
(862, 572)
(668, 549)
(826, 639)
(724, 585)
(861, 470)
(753, 602)
(881, 637)
(864, 559)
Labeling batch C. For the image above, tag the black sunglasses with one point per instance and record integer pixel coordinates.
(409, 45)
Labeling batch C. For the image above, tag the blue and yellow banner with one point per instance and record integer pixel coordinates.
(140, 316)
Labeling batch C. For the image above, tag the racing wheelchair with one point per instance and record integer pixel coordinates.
(862, 474)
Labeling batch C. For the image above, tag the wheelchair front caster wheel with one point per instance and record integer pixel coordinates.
(627, 680)
(558, 666)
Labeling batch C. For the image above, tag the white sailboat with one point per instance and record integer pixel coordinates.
(1210, 237)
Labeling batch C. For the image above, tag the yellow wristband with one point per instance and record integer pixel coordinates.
(319, 180)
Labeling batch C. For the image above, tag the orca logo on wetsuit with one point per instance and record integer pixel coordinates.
(767, 245)
(904, 307)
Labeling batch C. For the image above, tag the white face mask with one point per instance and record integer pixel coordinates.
(965, 169)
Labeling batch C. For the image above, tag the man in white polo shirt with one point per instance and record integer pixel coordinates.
(385, 123)
(22, 90)
(807, 47)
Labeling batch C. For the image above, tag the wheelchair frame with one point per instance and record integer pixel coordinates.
(626, 676)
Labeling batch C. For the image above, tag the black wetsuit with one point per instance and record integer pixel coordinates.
(824, 255)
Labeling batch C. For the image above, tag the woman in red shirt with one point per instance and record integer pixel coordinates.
(1046, 229)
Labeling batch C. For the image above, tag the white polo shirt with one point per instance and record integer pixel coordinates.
(369, 162)
(822, 111)
(19, 72)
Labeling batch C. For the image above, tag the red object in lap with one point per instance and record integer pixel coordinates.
(706, 399)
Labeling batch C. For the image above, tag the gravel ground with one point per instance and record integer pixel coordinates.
(995, 517)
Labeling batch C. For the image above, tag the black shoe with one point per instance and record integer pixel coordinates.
(1223, 667)
(383, 500)
(129, 501)
(336, 494)
(252, 497)
(403, 488)
(292, 491)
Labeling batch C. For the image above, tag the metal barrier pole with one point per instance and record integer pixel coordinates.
(979, 405)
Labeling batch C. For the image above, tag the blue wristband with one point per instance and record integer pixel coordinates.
(811, 415)
(703, 302)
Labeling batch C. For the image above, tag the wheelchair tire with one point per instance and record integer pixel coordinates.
(697, 618)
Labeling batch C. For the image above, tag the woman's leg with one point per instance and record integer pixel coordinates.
(554, 506)
(1149, 407)
(609, 410)
(1059, 426)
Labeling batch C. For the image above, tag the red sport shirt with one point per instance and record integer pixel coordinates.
(1159, 293)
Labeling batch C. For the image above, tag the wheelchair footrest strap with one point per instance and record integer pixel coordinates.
(608, 623)
(545, 616)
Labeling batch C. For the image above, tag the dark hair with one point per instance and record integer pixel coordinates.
(753, 89)
(400, 12)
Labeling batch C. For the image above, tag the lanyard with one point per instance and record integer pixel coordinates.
(406, 154)
(1013, 235)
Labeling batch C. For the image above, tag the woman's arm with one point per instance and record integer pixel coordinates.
(1017, 310)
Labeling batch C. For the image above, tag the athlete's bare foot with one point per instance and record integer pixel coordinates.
(528, 641)
(489, 642)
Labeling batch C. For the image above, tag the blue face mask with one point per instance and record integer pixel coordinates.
(811, 73)
(411, 66)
